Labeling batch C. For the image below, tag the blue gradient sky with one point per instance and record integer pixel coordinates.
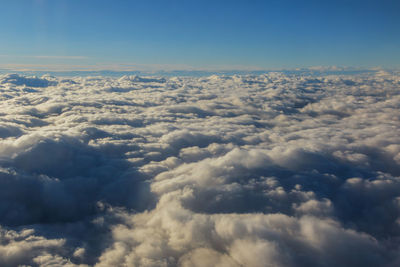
(199, 34)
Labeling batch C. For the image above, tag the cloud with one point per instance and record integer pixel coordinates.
(241, 170)
(27, 81)
(25, 247)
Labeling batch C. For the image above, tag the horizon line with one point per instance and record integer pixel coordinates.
(174, 68)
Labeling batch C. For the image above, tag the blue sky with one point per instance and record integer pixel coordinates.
(199, 34)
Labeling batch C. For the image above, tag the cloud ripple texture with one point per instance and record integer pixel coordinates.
(243, 170)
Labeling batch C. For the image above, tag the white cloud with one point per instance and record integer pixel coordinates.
(249, 170)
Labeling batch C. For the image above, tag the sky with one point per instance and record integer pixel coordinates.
(191, 35)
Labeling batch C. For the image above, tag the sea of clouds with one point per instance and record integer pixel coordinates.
(241, 170)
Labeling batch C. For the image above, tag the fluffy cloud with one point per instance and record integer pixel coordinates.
(268, 170)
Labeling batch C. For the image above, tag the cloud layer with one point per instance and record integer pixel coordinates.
(266, 170)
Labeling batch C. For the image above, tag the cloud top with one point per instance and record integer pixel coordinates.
(241, 170)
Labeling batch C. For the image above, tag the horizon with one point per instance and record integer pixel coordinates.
(311, 71)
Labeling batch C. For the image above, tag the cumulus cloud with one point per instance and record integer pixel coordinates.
(242, 170)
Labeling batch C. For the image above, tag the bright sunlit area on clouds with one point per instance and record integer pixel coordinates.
(199, 133)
